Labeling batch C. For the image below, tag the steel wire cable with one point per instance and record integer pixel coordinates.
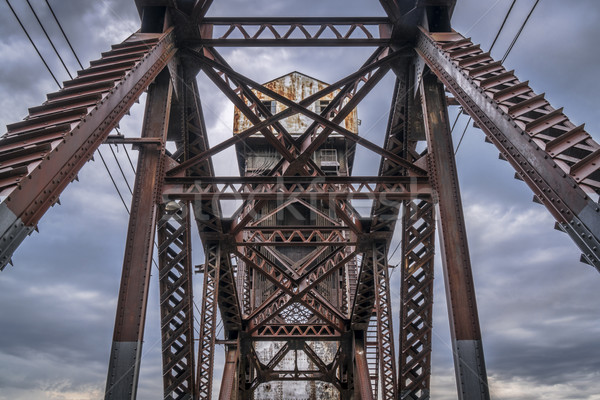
(512, 44)
(33, 44)
(508, 50)
(111, 149)
(60, 87)
(113, 181)
(64, 34)
(80, 65)
(503, 23)
(49, 40)
(120, 169)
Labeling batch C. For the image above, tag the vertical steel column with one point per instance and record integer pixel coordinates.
(385, 331)
(124, 365)
(208, 320)
(229, 383)
(418, 245)
(469, 363)
(362, 381)
(176, 304)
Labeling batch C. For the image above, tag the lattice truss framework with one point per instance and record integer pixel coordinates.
(319, 288)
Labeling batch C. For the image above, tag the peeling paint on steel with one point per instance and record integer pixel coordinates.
(295, 86)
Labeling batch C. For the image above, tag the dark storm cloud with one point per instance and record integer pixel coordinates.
(538, 304)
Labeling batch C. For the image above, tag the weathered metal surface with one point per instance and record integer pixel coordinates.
(296, 87)
(284, 267)
(124, 366)
(308, 31)
(176, 304)
(42, 154)
(361, 373)
(416, 294)
(558, 160)
(208, 321)
(385, 329)
(469, 364)
(323, 188)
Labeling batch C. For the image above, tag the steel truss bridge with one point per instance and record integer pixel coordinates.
(338, 291)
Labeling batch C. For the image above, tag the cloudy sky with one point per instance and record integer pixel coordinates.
(538, 305)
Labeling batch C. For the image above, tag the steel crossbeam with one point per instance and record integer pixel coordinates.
(279, 189)
(240, 32)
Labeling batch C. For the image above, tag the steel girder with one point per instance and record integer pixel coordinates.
(176, 302)
(469, 364)
(123, 369)
(291, 32)
(43, 153)
(416, 296)
(208, 320)
(559, 161)
(385, 331)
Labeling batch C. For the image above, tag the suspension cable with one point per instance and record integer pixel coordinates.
(512, 44)
(510, 47)
(64, 34)
(503, 23)
(32, 43)
(49, 40)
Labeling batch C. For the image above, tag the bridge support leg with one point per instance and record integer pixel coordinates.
(125, 357)
(416, 296)
(362, 380)
(208, 321)
(229, 383)
(469, 363)
(176, 303)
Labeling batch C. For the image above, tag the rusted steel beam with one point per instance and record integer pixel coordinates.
(359, 31)
(469, 364)
(558, 160)
(176, 302)
(61, 135)
(364, 297)
(248, 113)
(385, 214)
(287, 42)
(229, 382)
(416, 317)
(304, 331)
(304, 21)
(208, 321)
(393, 8)
(348, 88)
(385, 330)
(345, 85)
(278, 189)
(330, 125)
(124, 365)
(200, 9)
(298, 180)
(362, 382)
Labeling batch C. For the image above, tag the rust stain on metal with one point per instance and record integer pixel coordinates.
(295, 86)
